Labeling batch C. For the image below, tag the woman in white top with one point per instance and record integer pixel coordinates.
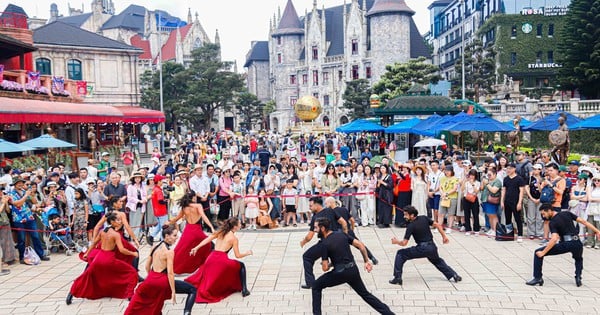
(419, 189)
(305, 187)
(593, 198)
(470, 202)
(367, 205)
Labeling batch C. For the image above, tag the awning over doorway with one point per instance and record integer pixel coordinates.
(136, 114)
(16, 110)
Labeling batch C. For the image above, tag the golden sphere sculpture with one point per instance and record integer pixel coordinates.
(308, 108)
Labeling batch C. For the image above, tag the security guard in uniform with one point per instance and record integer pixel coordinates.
(419, 228)
(562, 229)
(312, 254)
(336, 247)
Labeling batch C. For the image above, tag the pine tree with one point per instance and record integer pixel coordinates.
(480, 72)
(400, 77)
(356, 98)
(580, 48)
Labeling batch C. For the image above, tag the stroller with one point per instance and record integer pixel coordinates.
(59, 237)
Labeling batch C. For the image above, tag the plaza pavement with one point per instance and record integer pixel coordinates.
(494, 275)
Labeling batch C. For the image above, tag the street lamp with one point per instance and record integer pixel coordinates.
(462, 43)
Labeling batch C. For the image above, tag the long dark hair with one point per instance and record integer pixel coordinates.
(227, 226)
(187, 199)
(168, 229)
(82, 195)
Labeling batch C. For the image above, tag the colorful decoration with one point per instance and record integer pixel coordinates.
(82, 88)
(1, 73)
(58, 86)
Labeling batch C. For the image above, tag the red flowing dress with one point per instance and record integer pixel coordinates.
(126, 258)
(217, 279)
(150, 295)
(106, 276)
(184, 263)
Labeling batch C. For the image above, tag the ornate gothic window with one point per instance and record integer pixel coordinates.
(197, 43)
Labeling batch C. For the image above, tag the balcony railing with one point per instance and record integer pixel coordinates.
(13, 20)
(20, 77)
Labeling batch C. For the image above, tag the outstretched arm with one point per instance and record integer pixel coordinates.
(363, 250)
(204, 242)
(236, 249)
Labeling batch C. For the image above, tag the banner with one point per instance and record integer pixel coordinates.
(58, 85)
(1, 73)
(33, 80)
(82, 87)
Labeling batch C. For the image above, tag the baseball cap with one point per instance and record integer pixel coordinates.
(508, 146)
(562, 168)
(574, 162)
(54, 174)
(538, 166)
(513, 165)
(51, 183)
(158, 178)
(105, 153)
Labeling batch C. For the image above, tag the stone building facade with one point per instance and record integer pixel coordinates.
(321, 51)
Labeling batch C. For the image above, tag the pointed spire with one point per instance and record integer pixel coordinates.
(189, 17)
(217, 38)
(289, 23)
(197, 19)
(390, 7)
(314, 5)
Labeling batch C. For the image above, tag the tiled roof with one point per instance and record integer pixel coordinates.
(439, 3)
(139, 42)
(418, 48)
(169, 49)
(131, 18)
(63, 34)
(418, 105)
(75, 20)
(389, 6)
(289, 23)
(258, 52)
(11, 8)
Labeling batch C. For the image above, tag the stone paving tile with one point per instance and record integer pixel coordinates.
(493, 274)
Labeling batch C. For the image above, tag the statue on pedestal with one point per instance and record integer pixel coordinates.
(559, 138)
(91, 135)
(515, 136)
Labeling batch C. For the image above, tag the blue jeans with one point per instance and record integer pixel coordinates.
(158, 228)
(35, 238)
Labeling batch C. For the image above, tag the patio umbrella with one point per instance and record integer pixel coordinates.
(523, 123)
(7, 146)
(407, 127)
(360, 125)
(430, 142)
(426, 123)
(46, 142)
(589, 123)
(550, 122)
(479, 122)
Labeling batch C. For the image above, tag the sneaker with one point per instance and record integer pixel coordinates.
(544, 242)
(462, 228)
(448, 231)
(588, 246)
(4, 272)
(491, 233)
(519, 239)
(468, 234)
(254, 226)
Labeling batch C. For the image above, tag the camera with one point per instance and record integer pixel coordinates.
(167, 188)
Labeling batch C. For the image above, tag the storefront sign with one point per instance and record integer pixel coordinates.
(543, 65)
(546, 11)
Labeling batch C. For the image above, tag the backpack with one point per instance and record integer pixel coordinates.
(547, 193)
(523, 171)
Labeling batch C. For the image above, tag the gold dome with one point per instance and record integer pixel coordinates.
(308, 108)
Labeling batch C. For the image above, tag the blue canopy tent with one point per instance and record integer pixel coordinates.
(589, 123)
(479, 122)
(407, 127)
(550, 122)
(360, 125)
(523, 123)
(426, 123)
(443, 122)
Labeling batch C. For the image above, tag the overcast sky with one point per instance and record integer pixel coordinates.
(239, 21)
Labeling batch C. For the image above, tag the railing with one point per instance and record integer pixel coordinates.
(13, 20)
(589, 105)
(453, 42)
(448, 64)
(20, 77)
(554, 106)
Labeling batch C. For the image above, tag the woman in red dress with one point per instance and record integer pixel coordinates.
(160, 284)
(220, 276)
(107, 276)
(192, 234)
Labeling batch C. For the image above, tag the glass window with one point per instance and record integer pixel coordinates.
(513, 58)
(325, 77)
(550, 30)
(279, 60)
(43, 66)
(340, 75)
(305, 79)
(326, 100)
(293, 79)
(355, 46)
(368, 73)
(539, 30)
(315, 53)
(315, 77)
(550, 56)
(538, 57)
(74, 70)
(316, 95)
(293, 100)
(513, 31)
(279, 40)
(354, 72)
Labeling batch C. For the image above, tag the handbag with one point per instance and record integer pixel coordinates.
(4, 221)
(214, 208)
(471, 197)
(493, 199)
(445, 202)
(31, 257)
(504, 232)
(593, 208)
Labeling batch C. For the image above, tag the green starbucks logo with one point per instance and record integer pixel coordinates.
(527, 28)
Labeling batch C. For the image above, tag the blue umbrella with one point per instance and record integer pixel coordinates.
(407, 127)
(449, 120)
(479, 122)
(7, 146)
(47, 141)
(425, 124)
(550, 122)
(360, 125)
(523, 123)
(589, 123)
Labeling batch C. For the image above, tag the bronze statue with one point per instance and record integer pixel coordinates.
(559, 138)
(515, 136)
(91, 135)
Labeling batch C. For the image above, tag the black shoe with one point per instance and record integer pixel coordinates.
(245, 292)
(187, 313)
(140, 279)
(150, 240)
(69, 299)
(374, 260)
(535, 281)
(578, 281)
(45, 258)
(306, 286)
(397, 281)
(456, 278)
(22, 262)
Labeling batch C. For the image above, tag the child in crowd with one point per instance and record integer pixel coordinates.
(251, 201)
(60, 229)
(291, 202)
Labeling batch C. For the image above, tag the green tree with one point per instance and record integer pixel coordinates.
(212, 85)
(480, 71)
(268, 109)
(400, 77)
(580, 48)
(250, 110)
(356, 98)
(174, 90)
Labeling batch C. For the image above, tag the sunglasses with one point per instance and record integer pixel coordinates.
(596, 180)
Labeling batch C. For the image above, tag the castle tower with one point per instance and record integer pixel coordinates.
(287, 42)
(390, 34)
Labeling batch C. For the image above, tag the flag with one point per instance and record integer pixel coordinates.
(82, 87)
(58, 85)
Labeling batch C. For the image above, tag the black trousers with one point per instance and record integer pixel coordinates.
(574, 247)
(182, 287)
(309, 257)
(369, 254)
(471, 209)
(509, 210)
(403, 200)
(350, 276)
(421, 251)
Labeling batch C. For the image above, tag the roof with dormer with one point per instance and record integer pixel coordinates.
(289, 23)
(131, 18)
(389, 6)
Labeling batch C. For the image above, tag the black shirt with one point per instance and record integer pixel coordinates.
(335, 247)
(562, 223)
(343, 212)
(419, 229)
(512, 186)
(329, 214)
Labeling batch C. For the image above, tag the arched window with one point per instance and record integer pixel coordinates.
(74, 69)
(197, 43)
(44, 66)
